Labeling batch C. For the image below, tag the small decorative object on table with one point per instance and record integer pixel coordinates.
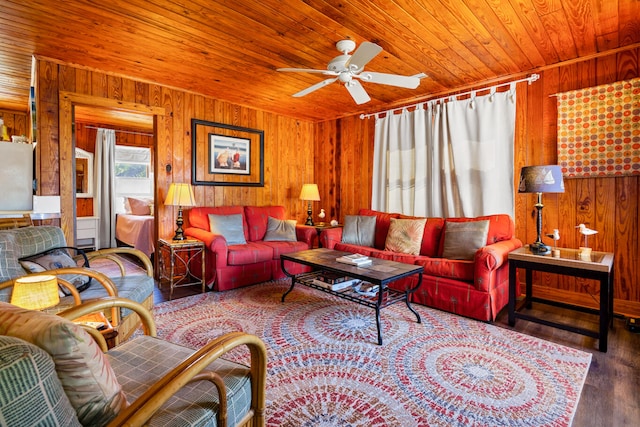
(334, 222)
(321, 215)
(555, 236)
(585, 251)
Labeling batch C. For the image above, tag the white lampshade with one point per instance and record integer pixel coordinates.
(35, 292)
(180, 194)
(310, 192)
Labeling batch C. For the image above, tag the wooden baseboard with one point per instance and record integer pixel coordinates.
(620, 307)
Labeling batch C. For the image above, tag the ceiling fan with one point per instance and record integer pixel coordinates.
(349, 69)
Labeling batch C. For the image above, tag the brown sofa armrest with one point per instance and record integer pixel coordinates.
(330, 236)
(489, 259)
(306, 233)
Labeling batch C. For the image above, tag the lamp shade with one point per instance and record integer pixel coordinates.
(541, 179)
(310, 192)
(35, 292)
(180, 194)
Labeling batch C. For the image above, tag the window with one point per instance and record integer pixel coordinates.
(133, 174)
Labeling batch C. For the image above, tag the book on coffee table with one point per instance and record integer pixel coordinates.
(336, 286)
(331, 277)
(358, 260)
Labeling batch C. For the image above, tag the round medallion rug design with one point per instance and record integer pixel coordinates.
(326, 369)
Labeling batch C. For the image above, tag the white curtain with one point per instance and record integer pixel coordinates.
(448, 158)
(105, 186)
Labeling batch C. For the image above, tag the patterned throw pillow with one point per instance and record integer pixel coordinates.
(38, 398)
(359, 230)
(463, 239)
(229, 226)
(83, 370)
(283, 230)
(57, 258)
(405, 235)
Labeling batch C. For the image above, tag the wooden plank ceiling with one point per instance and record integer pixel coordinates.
(230, 50)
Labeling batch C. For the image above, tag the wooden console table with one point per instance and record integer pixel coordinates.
(600, 267)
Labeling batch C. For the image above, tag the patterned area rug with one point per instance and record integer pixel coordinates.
(326, 369)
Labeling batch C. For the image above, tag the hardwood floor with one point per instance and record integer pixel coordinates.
(611, 394)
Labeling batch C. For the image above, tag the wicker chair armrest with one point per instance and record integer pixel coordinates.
(109, 253)
(143, 408)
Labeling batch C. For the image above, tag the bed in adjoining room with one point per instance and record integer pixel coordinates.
(136, 227)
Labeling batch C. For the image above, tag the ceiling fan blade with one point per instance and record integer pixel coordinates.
(359, 95)
(308, 70)
(314, 87)
(363, 54)
(409, 82)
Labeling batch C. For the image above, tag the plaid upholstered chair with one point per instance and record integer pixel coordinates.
(23, 249)
(53, 373)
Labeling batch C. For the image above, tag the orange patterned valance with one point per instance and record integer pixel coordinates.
(599, 130)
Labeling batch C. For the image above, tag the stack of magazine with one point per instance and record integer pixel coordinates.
(358, 260)
(334, 281)
(366, 288)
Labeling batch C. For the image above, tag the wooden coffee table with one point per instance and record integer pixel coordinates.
(380, 272)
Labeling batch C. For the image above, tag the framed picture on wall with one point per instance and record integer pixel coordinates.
(223, 154)
(228, 154)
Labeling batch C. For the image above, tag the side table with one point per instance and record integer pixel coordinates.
(600, 267)
(98, 318)
(176, 261)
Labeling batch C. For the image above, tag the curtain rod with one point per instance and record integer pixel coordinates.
(122, 131)
(532, 78)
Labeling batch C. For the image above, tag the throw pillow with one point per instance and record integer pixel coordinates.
(280, 230)
(57, 258)
(405, 235)
(359, 230)
(39, 384)
(463, 239)
(84, 371)
(140, 206)
(229, 226)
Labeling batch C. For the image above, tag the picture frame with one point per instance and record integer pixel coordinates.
(226, 155)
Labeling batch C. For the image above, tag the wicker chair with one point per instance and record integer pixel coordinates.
(164, 383)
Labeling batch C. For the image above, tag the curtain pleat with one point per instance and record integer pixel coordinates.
(105, 185)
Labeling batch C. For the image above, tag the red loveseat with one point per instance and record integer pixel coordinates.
(233, 266)
(477, 288)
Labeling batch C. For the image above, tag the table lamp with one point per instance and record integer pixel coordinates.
(540, 179)
(180, 195)
(35, 292)
(309, 193)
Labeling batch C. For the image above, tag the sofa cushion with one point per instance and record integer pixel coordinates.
(257, 218)
(199, 217)
(9, 265)
(229, 226)
(405, 235)
(451, 268)
(383, 222)
(283, 230)
(463, 239)
(85, 374)
(35, 240)
(144, 360)
(31, 391)
(432, 235)
(501, 227)
(279, 247)
(249, 253)
(359, 230)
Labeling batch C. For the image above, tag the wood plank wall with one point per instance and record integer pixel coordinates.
(289, 148)
(609, 205)
(16, 122)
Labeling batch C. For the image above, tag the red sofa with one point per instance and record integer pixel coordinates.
(233, 266)
(477, 288)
